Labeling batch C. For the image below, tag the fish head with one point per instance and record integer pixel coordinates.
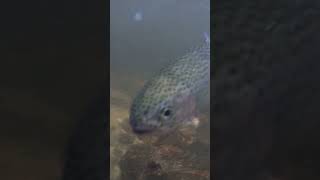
(157, 110)
(149, 118)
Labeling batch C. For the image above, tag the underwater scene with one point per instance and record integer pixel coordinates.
(159, 90)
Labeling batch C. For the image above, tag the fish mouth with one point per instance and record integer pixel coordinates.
(141, 129)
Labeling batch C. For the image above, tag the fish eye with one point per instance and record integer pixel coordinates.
(166, 113)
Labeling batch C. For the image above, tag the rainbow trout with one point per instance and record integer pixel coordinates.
(168, 99)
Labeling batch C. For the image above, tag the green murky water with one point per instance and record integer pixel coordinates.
(145, 35)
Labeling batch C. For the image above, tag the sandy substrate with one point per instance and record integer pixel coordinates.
(121, 137)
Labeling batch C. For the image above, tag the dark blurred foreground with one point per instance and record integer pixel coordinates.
(266, 90)
(53, 65)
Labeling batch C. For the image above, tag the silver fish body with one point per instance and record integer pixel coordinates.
(167, 99)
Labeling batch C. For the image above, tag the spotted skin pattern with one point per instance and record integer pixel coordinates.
(167, 99)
